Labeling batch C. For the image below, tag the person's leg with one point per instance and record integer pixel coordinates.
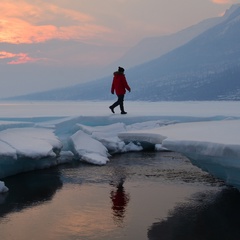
(115, 104)
(121, 100)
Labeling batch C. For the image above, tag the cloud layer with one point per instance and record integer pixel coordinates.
(35, 22)
(23, 22)
(224, 1)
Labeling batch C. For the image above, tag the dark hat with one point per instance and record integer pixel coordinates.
(120, 69)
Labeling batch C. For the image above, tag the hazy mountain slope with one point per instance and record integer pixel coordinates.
(206, 68)
(154, 47)
(191, 68)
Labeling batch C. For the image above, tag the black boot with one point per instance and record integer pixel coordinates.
(112, 109)
(122, 108)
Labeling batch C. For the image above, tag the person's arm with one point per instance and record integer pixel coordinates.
(112, 88)
(126, 84)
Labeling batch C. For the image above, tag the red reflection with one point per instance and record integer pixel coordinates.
(120, 200)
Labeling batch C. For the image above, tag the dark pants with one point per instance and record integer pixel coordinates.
(119, 102)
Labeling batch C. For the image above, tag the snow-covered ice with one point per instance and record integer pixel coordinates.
(29, 142)
(3, 188)
(89, 149)
(36, 135)
(214, 146)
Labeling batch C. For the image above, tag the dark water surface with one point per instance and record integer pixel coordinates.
(147, 195)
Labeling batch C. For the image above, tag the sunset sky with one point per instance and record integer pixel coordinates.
(88, 34)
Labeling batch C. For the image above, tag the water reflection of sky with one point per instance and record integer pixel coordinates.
(135, 196)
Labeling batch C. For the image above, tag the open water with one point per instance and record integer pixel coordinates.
(136, 196)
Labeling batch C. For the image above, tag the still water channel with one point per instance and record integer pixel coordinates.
(146, 195)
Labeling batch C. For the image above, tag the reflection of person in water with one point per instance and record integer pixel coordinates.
(119, 202)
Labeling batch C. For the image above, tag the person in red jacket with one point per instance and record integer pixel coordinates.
(119, 85)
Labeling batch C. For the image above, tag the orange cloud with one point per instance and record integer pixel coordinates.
(23, 22)
(18, 58)
(222, 1)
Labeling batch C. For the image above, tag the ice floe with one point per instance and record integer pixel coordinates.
(48, 134)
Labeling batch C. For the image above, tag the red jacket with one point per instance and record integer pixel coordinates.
(119, 84)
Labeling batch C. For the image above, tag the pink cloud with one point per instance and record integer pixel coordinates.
(23, 22)
(4, 55)
(222, 1)
(17, 58)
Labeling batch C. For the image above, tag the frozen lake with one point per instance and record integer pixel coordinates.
(136, 195)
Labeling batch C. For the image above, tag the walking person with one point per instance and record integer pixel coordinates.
(119, 85)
